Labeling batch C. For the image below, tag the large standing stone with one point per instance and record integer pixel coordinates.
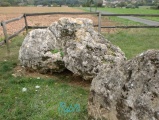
(83, 51)
(129, 91)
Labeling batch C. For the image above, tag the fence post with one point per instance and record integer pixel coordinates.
(96, 8)
(26, 23)
(90, 8)
(6, 36)
(99, 22)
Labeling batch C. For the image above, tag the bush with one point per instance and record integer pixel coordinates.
(5, 4)
(130, 6)
(86, 4)
(55, 5)
(121, 4)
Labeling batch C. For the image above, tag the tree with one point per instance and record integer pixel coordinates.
(90, 2)
(121, 4)
(41, 2)
(72, 2)
(30, 2)
(5, 4)
(9, 2)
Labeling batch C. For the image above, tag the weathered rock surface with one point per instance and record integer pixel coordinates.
(36, 52)
(83, 50)
(129, 91)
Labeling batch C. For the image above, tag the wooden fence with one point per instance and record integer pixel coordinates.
(6, 37)
(99, 14)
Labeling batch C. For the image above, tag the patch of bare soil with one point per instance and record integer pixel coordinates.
(65, 76)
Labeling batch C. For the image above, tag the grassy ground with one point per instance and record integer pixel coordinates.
(37, 103)
(133, 11)
(135, 41)
(130, 10)
(1, 39)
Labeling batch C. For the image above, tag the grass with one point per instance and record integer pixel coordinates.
(1, 39)
(36, 104)
(56, 51)
(129, 11)
(41, 104)
(135, 41)
(133, 11)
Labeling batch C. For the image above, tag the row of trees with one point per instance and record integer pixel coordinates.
(89, 3)
(9, 2)
(50, 2)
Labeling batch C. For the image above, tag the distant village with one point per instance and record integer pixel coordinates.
(130, 3)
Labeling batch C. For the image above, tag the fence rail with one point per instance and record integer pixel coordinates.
(14, 19)
(66, 13)
(99, 14)
(15, 34)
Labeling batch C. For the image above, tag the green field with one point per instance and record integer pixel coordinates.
(130, 10)
(133, 11)
(135, 41)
